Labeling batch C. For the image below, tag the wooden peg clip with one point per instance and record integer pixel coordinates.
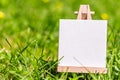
(84, 12)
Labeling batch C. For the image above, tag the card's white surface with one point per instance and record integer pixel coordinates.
(82, 43)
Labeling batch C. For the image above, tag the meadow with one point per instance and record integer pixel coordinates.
(29, 38)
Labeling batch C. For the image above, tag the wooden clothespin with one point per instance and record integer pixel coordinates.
(84, 12)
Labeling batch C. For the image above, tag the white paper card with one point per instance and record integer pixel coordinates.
(82, 43)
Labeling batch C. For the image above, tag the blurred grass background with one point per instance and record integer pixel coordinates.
(29, 38)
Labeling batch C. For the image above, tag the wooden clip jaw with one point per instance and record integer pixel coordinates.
(84, 13)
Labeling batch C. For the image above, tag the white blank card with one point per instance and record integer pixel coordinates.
(82, 43)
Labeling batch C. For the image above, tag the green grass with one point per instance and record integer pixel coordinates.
(29, 38)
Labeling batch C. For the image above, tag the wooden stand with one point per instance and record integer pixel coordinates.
(84, 13)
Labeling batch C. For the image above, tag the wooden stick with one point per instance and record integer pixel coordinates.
(91, 12)
(82, 69)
